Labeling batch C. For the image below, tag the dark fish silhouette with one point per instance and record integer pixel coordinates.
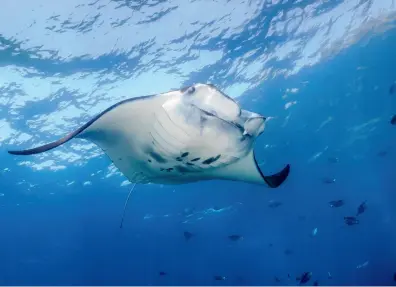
(393, 120)
(316, 283)
(392, 88)
(162, 273)
(333, 159)
(305, 277)
(362, 208)
(336, 203)
(288, 276)
(351, 220)
(274, 203)
(328, 180)
(188, 235)
(382, 153)
(394, 276)
(302, 217)
(277, 279)
(219, 278)
(235, 237)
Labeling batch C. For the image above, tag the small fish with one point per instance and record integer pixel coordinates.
(187, 235)
(314, 232)
(235, 237)
(393, 120)
(219, 278)
(162, 273)
(274, 203)
(302, 217)
(362, 208)
(277, 279)
(188, 211)
(288, 276)
(394, 276)
(336, 203)
(316, 283)
(329, 275)
(362, 265)
(328, 180)
(305, 277)
(351, 220)
(392, 88)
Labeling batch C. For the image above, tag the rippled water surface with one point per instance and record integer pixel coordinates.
(322, 72)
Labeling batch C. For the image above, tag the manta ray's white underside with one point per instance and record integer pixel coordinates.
(177, 137)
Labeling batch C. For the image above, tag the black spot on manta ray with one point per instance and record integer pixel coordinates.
(195, 159)
(149, 160)
(211, 159)
(184, 154)
(157, 157)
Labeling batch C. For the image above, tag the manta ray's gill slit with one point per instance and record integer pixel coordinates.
(166, 131)
(159, 145)
(186, 133)
(178, 143)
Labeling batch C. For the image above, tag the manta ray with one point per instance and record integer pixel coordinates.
(182, 136)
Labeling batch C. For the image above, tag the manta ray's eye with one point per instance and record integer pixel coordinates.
(191, 90)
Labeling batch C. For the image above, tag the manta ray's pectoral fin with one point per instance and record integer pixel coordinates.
(76, 133)
(278, 178)
(45, 147)
(247, 169)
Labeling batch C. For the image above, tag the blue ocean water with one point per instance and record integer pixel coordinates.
(322, 71)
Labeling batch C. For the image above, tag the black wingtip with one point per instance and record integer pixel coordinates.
(277, 179)
(16, 152)
(45, 147)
